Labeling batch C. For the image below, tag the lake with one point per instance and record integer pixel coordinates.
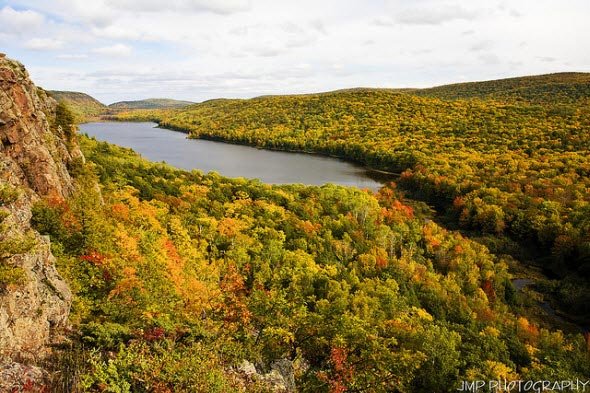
(273, 167)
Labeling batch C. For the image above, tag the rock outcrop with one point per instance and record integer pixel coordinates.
(35, 154)
(40, 154)
(280, 378)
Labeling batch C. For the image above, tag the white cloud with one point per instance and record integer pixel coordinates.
(43, 44)
(117, 50)
(489, 58)
(434, 14)
(72, 56)
(19, 22)
(383, 21)
(481, 45)
(117, 32)
(319, 26)
(200, 49)
(214, 6)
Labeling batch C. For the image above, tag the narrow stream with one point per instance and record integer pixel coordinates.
(521, 283)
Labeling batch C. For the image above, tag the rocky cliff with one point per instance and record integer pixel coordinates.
(35, 154)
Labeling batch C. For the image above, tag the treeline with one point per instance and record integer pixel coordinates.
(516, 169)
(179, 277)
(550, 89)
(82, 106)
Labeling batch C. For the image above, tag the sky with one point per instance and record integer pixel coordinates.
(201, 49)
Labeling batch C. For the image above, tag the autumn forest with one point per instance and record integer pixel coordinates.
(186, 282)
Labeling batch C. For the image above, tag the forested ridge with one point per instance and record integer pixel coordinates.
(149, 103)
(179, 278)
(189, 282)
(86, 108)
(559, 88)
(516, 165)
(82, 106)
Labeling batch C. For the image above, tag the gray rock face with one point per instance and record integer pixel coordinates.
(16, 377)
(30, 314)
(34, 161)
(40, 154)
(280, 378)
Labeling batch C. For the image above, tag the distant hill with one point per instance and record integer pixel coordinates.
(497, 162)
(83, 106)
(564, 87)
(150, 103)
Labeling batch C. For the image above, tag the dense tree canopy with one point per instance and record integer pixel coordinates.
(179, 277)
(510, 166)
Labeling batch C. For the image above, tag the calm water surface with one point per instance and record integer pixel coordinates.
(157, 144)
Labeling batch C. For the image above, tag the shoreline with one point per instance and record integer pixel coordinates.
(222, 140)
(580, 323)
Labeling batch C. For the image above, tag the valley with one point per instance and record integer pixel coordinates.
(255, 196)
(497, 158)
(179, 280)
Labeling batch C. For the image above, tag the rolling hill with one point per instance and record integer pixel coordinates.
(83, 106)
(513, 162)
(563, 88)
(169, 280)
(150, 103)
(86, 108)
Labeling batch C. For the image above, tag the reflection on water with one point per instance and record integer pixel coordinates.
(229, 160)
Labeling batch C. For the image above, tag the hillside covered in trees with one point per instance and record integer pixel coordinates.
(515, 168)
(83, 106)
(86, 108)
(520, 169)
(560, 88)
(150, 103)
(187, 282)
(184, 282)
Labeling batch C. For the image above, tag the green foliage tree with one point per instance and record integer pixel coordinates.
(179, 277)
